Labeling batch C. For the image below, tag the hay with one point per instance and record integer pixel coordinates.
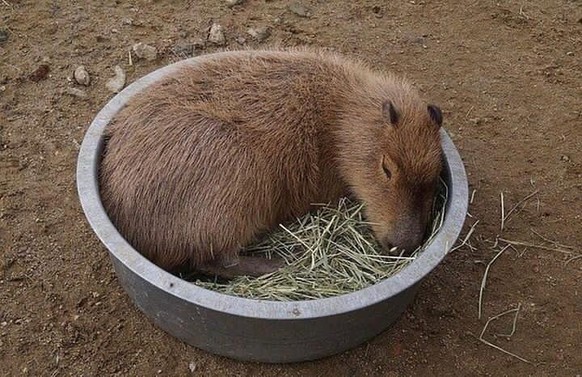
(508, 336)
(484, 280)
(329, 252)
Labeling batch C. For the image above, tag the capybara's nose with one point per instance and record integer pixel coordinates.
(386, 244)
(406, 244)
(409, 247)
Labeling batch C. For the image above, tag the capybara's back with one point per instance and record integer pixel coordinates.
(215, 154)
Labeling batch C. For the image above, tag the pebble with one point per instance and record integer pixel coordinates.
(76, 92)
(192, 367)
(216, 35)
(40, 73)
(565, 158)
(3, 35)
(260, 33)
(118, 82)
(82, 76)
(241, 40)
(144, 51)
(377, 11)
(232, 3)
(183, 49)
(199, 44)
(299, 9)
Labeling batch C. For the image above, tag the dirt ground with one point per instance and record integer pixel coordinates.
(508, 75)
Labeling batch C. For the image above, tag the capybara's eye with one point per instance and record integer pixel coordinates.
(387, 172)
(386, 169)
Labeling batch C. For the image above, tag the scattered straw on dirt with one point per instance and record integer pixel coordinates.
(555, 243)
(484, 280)
(514, 326)
(502, 212)
(516, 208)
(465, 241)
(327, 253)
(535, 246)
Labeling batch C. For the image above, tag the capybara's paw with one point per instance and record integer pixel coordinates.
(242, 266)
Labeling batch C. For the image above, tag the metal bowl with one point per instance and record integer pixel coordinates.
(258, 330)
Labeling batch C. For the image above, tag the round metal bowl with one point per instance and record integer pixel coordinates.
(258, 330)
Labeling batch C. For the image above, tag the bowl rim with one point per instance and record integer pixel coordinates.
(88, 191)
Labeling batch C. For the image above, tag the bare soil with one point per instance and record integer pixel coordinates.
(508, 75)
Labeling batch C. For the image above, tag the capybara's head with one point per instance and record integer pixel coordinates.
(401, 159)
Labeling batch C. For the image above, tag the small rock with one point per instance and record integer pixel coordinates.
(82, 76)
(216, 35)
(144, 51)
(378, 13)
(260, 33)
(299, 9)
(3, 35)
(241, 40)
(536, 269)
(570, 53)
(40, 73)
(565, 158)
(199, 44)
(118, 82)
(192, 367)
(232, 3)
(76, 92)
(183, 49)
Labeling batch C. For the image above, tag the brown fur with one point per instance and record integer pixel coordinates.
(205, 161)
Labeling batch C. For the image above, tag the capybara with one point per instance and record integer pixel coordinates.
(213, 156)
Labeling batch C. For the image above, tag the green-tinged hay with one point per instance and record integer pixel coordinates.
(328, 252)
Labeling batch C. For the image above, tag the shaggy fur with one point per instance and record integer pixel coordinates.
(207, 160)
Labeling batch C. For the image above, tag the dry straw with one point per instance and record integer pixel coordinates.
(329, 252)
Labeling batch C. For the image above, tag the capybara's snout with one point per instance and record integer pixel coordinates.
(406, 234)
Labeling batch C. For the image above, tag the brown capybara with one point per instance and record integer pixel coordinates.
(216, 154)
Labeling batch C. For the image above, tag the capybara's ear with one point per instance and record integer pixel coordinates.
(390, 113)
(435, 114)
